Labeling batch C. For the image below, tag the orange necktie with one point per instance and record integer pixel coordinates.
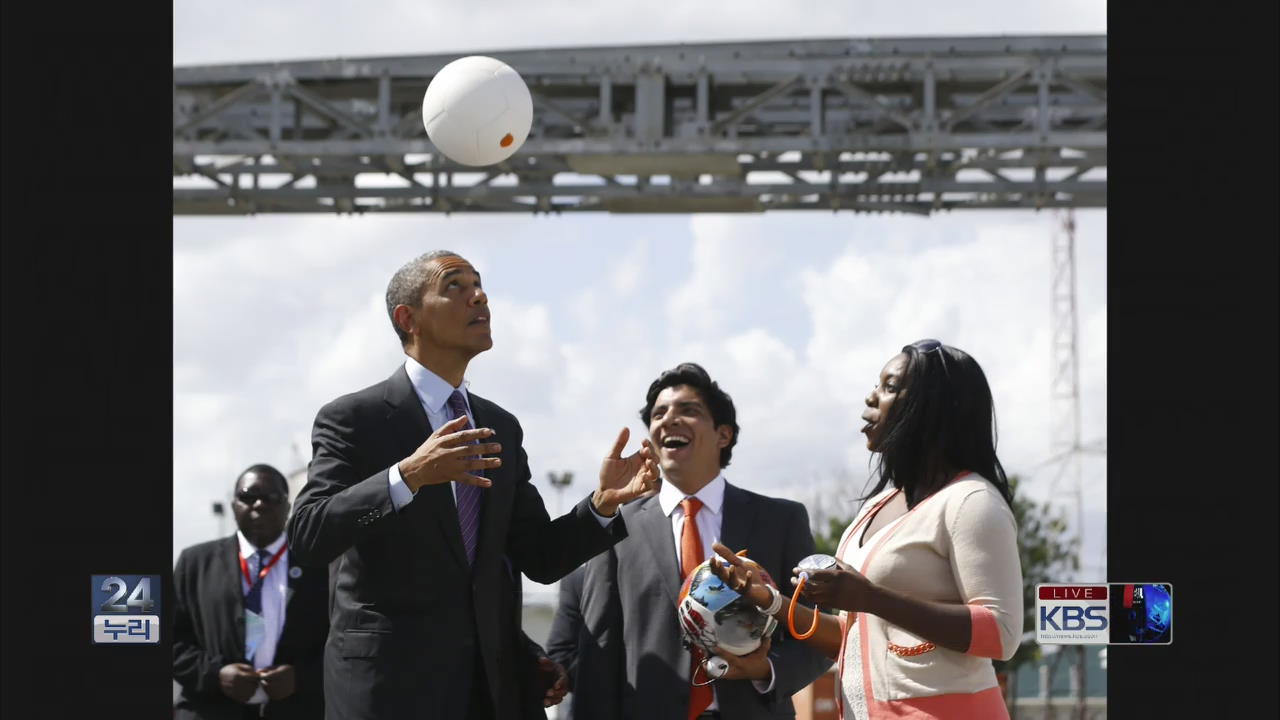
(691, 557)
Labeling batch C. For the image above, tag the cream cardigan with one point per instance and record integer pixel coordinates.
(959, 545)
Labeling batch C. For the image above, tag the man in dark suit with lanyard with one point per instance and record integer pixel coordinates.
(616, 629)
(418, 494)
(249, 623)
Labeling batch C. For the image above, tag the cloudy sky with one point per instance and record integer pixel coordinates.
(793, 313)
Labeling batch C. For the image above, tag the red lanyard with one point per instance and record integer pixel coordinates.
(244, 566)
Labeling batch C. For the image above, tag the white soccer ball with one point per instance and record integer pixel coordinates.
(477, 111)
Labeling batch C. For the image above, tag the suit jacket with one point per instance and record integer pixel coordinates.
(631, 662)
(586, 632)
(533, 685)
(410, 617)
(208, 633)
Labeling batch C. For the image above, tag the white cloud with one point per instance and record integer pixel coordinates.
(794, 313)
(203, 32)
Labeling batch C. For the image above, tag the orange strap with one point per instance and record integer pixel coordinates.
(791, 615)
(795, 597)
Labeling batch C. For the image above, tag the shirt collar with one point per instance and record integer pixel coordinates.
(433, 391)
(247, 548)
(711, 495)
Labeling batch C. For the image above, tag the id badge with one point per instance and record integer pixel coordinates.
(255, 629)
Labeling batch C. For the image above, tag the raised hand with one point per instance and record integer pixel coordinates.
(739, 576)
(449, 456)
(623, 479)
(840, 588)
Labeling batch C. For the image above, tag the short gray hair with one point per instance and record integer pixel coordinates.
(407, 284)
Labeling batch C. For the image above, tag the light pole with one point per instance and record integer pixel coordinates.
(560, 481)
(221, 513)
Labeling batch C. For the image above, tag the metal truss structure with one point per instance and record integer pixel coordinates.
(912, 125)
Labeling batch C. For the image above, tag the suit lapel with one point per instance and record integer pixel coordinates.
(411, 426)
(290, 592)
(737, 518)
(227, 567)
(654, 528)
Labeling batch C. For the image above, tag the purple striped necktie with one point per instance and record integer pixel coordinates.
(468, 496)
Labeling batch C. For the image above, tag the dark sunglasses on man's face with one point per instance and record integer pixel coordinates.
(267, 499)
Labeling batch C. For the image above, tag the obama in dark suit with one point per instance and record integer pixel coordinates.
(418, 494)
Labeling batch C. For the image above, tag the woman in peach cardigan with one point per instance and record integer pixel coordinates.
(928, 579)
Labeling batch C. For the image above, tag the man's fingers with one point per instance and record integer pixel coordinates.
(466, 451)
(463, 437)
(729, 555)
(621, 442)
(480, 449)
(453, 425)
(474, 480)
(481, 463)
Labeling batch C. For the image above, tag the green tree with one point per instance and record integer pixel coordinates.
(1048, 555)
(827, 542)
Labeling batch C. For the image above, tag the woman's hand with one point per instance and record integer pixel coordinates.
(841, 588)
(740, 577)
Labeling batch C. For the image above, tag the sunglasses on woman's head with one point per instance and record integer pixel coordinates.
(929, 345)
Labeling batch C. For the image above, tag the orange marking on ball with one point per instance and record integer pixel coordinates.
(506, 140)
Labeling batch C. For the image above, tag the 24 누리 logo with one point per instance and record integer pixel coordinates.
(125, 608)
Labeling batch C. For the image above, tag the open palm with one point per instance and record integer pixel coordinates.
(623, 479)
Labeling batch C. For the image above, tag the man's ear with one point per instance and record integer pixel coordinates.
(726, 436)
(403, 315)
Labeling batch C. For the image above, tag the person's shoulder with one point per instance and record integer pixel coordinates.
(969, 485)
(201, 553)
(769, 503)
(631, 507)
(971, 494)
(490, 409)
(371, 396)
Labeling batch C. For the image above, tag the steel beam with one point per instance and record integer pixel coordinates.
(679, 128)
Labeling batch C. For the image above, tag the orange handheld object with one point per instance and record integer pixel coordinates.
(807, 565)
(791, 614)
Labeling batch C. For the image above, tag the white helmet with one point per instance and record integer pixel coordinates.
(712, 614)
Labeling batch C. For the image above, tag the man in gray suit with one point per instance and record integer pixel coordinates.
(617, 631)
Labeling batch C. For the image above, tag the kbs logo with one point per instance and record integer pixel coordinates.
(1072, 614)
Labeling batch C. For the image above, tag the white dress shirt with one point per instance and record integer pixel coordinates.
(433, 392)
(709, 519)
(275, 588)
